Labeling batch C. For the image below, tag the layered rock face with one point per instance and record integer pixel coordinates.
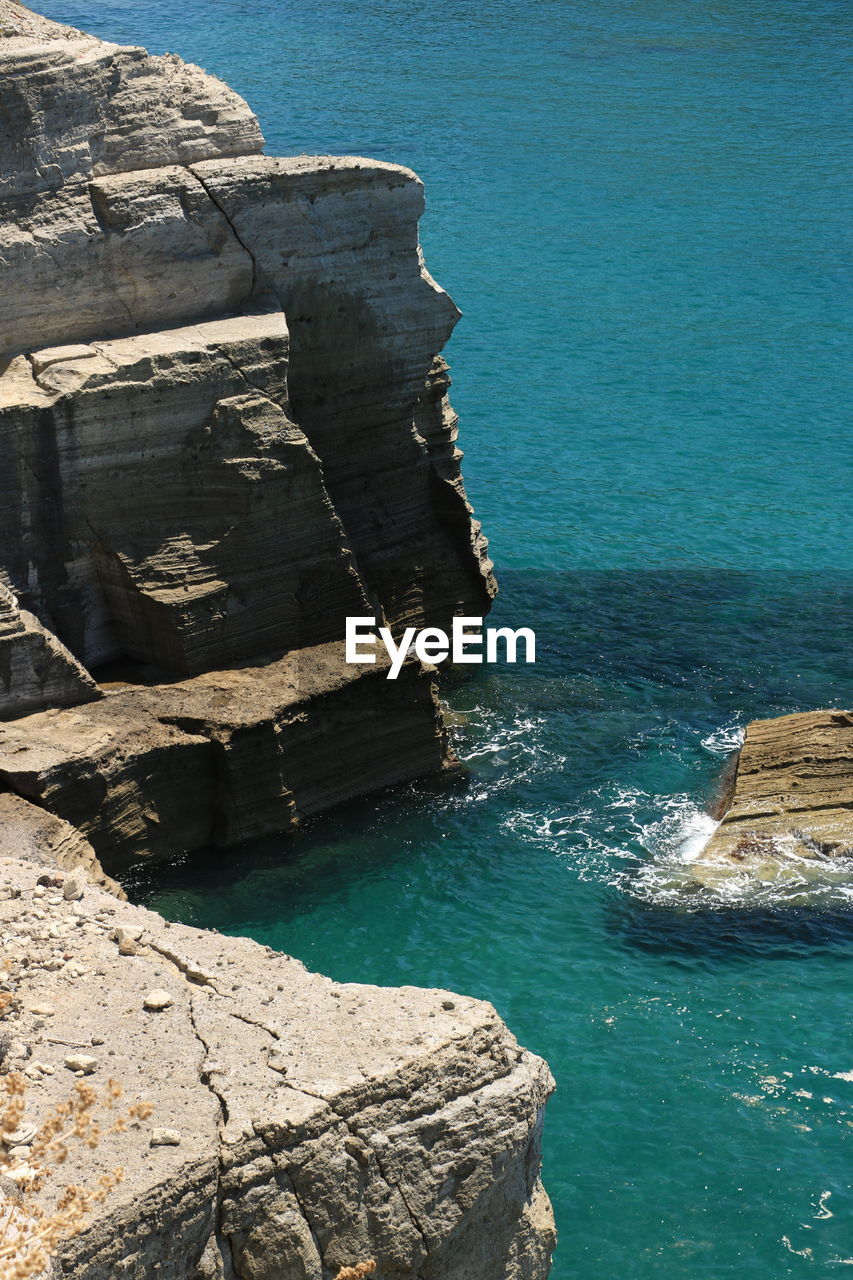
(789, 816)
(298, 1125)
(35, 668)
(223, 429)
(225, 756)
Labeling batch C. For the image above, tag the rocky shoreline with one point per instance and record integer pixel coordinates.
(298, 1125)
(224, 428)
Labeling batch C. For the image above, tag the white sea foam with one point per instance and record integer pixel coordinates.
(647, 845)
(725, 740)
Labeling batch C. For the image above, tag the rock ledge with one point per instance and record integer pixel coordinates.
(299, 1124)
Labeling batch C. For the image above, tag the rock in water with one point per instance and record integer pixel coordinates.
(224, 428)
(790, 817)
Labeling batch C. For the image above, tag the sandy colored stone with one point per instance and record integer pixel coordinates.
(226, 755)
(158, 1000)
(791, 806)
(83, 1063)
(165, 1138)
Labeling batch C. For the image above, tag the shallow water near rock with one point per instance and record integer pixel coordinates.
(640, 209)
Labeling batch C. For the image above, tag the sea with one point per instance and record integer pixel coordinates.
(643, 209)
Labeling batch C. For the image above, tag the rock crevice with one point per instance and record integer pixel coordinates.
(393, 1124)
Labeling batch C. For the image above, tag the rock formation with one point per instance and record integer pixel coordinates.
(789, 815)
(298, 1124)
(223, 429)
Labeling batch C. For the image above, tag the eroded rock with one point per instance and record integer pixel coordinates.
(790, 815)
(225, 433)
(403, 1130)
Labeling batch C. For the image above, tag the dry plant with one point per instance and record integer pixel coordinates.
(30, 1234)
(357, 1272)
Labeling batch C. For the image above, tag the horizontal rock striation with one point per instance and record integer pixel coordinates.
(790, 809)
(298, 1125)
(226, 755)
(77, 108)
(224, 424)
(224, 429)
(35, 668)
(224, 545)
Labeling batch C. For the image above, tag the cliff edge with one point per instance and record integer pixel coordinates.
(224, 428)
(298, 1125)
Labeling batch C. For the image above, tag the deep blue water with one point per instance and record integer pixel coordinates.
(643, 210)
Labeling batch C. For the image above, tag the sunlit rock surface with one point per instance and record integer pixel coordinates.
(224, 424)
(791, 809)
(310, 1124)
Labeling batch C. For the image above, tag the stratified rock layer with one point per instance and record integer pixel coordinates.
(310, 1124)
(35, 668)
(227, 755)
(197, 530)
(224, 429)
(791, 808)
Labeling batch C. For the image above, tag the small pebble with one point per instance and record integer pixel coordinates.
(165, 1138)
(43, 1010)
(132, 931)
(157, 1000)
(81, 1062)
(23, 1136)
(127, 947)
(72, 890)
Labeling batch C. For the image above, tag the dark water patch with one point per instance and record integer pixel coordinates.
(733, 934)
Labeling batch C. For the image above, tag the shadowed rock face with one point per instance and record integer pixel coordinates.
(791, 808)
(34, 667)
(223, 416)
(223, 429)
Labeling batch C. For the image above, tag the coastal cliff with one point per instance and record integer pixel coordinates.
(298, 1124)
(224, 428)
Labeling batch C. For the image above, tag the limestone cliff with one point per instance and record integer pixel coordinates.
(223, 429)
(298, 1125)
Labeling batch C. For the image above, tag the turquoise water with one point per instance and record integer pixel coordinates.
(642, 209)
